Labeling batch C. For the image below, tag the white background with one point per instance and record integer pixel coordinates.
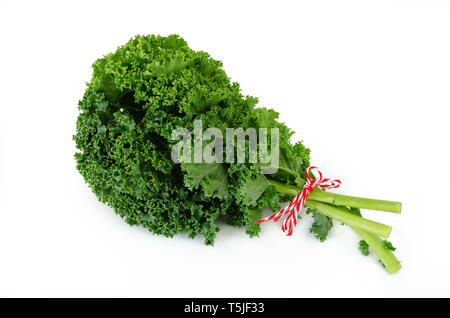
(365, 84)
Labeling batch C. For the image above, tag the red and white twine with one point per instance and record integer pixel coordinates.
(294, 207)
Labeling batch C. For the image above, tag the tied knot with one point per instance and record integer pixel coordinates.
(308, 187)
(294, 207)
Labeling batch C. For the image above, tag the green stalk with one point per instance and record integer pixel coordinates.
(375, 243)
(349, 219)
(339, 199)
(368, 230)
(386, 256)
(356, 202)
(337, 214)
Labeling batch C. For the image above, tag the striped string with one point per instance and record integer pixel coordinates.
(294, 207)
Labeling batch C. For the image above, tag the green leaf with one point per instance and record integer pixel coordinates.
(355, 211)
(102, 106)
(253, 189)
(388, 245)
(136, 97)
(211, 176)
(364, 247)
(321, 226)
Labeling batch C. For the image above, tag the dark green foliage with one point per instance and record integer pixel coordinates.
(388, 245)
(355, 211)
(321, 225)
(364, 247)
(136, 97)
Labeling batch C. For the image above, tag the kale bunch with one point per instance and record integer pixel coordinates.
(153, 85)
(137, 96)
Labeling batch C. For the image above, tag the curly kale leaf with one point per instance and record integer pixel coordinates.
(212, 177)
(364, 247)
(388, 245)
(137, 96)
(321, 226)
(355, 211)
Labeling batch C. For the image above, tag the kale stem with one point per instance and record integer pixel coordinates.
(335, 213)
(368, 235)
(285, 188)
(341, 200)
(386, 256)
(349, 219)
(356, 202)
(368, 230)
